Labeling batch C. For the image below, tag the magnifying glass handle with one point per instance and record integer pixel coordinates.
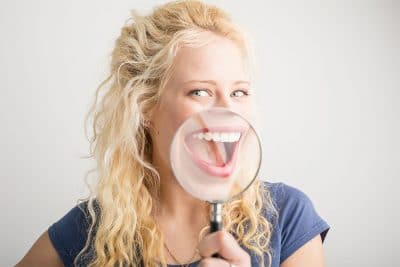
(215, 220)
(215, 217)
(215, 226)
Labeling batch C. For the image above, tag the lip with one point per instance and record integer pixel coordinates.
(224, 170)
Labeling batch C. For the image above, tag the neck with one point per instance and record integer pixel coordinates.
(176, 202)
(179, 210)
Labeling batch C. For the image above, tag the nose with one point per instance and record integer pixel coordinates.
(223, 101)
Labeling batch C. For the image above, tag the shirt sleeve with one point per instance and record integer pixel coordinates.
(68, 235)
(298, 220)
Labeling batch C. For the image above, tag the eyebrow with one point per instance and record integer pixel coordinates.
(214, 82)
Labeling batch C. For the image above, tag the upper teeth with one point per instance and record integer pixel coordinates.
(219, 137)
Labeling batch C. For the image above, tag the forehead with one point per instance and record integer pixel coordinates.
(220, 59)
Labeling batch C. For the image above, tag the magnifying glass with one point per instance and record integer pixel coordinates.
(215, 156)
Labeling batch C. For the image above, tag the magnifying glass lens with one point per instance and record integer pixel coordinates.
(215, 155)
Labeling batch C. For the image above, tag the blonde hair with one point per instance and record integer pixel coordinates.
(122, 230)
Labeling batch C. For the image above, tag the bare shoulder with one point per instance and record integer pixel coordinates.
(42, 253)
(309, 255)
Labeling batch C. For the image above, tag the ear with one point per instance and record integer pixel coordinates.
(148, 124)
(148, 113)
(148, 117)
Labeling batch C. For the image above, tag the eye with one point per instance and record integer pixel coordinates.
(240, 93)
(199, 92)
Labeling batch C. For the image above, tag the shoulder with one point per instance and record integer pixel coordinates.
(68, 235)
(285, 196)
(297, 219)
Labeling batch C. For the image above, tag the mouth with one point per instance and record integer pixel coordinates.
(214, 150)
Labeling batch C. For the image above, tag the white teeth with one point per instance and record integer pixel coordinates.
(207, 136)
(226, 136)
(216, 137)
(219, 136)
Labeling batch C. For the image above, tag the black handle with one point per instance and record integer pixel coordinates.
(215, 226)
(216, 220)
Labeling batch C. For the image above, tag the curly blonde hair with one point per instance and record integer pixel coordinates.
(123, 231)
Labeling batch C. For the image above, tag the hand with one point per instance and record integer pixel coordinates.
(223, 243)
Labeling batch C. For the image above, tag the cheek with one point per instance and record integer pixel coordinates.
(183, 108)
(168, 119)
(177, 114)
(246, 109)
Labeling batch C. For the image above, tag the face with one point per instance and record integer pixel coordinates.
(204, 77)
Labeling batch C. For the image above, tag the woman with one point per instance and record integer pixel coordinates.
(183, 58)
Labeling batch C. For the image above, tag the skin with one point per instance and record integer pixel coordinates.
(42, 253)
(209, 76)
(219, 63)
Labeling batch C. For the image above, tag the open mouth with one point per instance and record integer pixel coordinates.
(214, 150)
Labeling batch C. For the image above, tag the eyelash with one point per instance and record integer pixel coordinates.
(245, 92)
(198, 90)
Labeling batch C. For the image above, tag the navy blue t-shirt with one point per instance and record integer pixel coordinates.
(296, 224)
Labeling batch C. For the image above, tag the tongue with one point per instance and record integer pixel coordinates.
(229, 149)
(214, 153)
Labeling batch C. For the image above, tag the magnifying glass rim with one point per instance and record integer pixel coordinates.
(259, 146)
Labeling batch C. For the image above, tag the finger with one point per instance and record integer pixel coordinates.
(212, 262)
(225, 245)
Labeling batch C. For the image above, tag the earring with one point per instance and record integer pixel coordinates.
(147, 124)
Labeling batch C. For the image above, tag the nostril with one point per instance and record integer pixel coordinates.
(223, 105)
(223, 102)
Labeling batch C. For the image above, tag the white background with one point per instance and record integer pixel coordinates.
(328, 90)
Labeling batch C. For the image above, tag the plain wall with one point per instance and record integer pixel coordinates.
(328, 91)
